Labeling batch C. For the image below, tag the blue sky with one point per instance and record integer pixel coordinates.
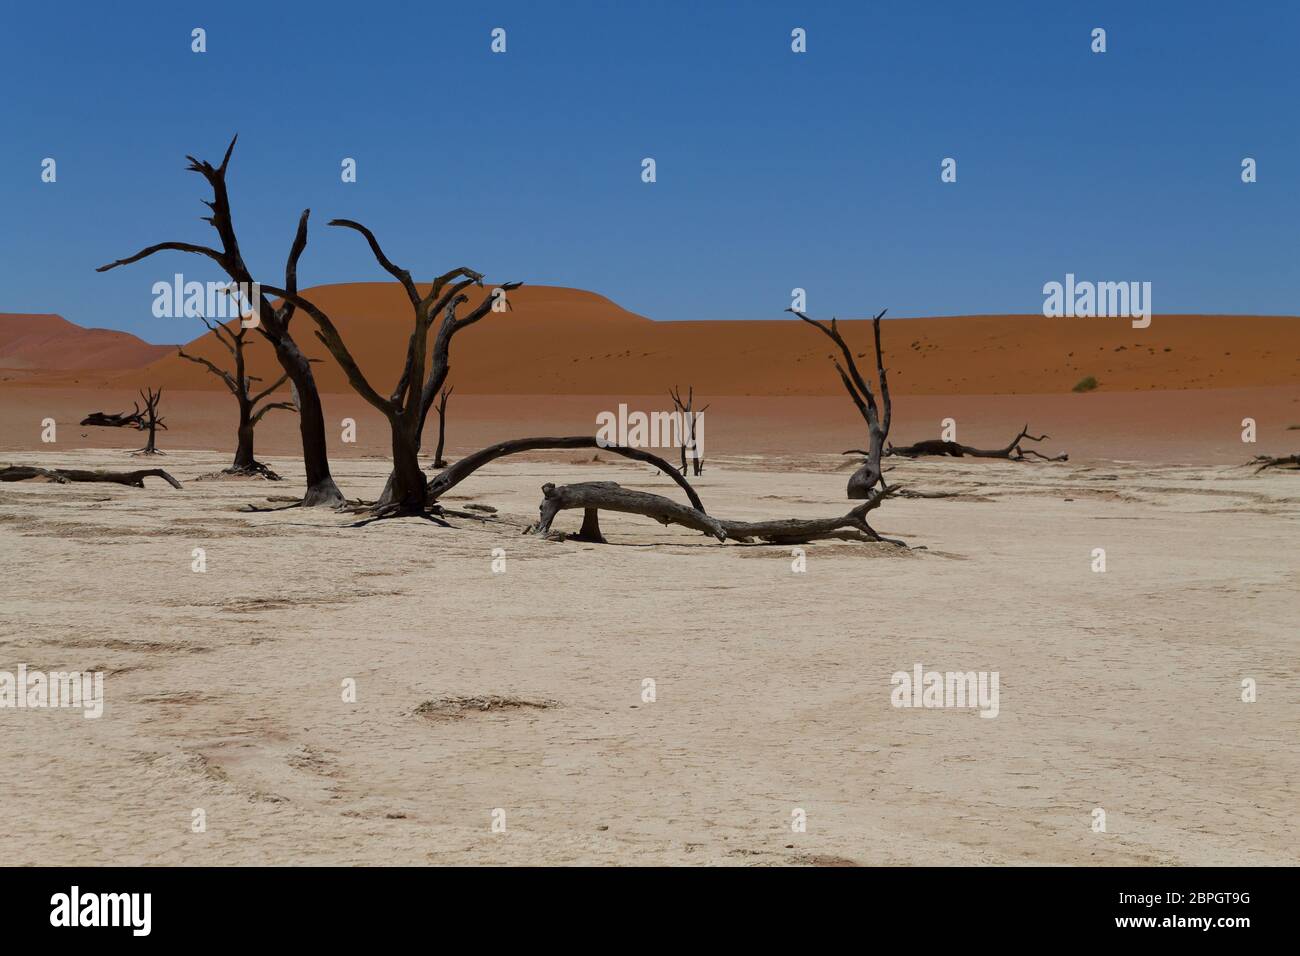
(775, 170)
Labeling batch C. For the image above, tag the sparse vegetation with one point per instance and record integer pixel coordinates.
(1086, 384)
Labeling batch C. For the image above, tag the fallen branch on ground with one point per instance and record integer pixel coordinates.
(63, 475)
(935, 446)
(592, 496)
(1286, 462)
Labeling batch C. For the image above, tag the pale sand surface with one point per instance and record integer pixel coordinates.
(1118, 690)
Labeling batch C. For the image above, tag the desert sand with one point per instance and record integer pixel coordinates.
(1119, 690)
(521, 690)
(561, 341)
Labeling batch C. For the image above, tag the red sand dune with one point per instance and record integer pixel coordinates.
(561, 341)
(31, 344)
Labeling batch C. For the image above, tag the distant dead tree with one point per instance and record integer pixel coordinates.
(866, 478)
(240, 384)
(443, 396)
(146, 419)
(1012, 452)
(688, 418)
(272, 323)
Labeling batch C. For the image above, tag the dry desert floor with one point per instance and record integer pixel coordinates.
(522, 689)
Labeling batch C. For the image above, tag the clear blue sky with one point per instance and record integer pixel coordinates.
(775, 170)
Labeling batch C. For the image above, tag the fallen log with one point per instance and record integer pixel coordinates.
(592, 496)
(1286, 462)
(936, 446)
(135, 479)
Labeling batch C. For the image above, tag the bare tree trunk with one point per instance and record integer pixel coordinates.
(408, 487)
(152, 421)
(321, 489)
(245, 460)
(438, 461)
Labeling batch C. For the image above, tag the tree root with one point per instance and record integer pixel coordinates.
(254, 470)
(134, 479)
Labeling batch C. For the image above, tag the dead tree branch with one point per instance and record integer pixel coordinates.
(592, 496)
(1012, 452)
(450, 477)
(135, 479)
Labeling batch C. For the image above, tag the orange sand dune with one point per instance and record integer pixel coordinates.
(561, 341)
(31, 344)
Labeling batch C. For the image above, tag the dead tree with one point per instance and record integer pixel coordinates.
(146, 419)
(407, 406)
(592, 496)
(272, 322)
(240, 384)
(134, 479)
(442, 425)
(688, 418)
(1012, 452)
(865, 479)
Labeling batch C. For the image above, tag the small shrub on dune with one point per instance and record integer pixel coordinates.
(1085, 384)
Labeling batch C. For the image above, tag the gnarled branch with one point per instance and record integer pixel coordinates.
(592, 496)
(450, 477)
